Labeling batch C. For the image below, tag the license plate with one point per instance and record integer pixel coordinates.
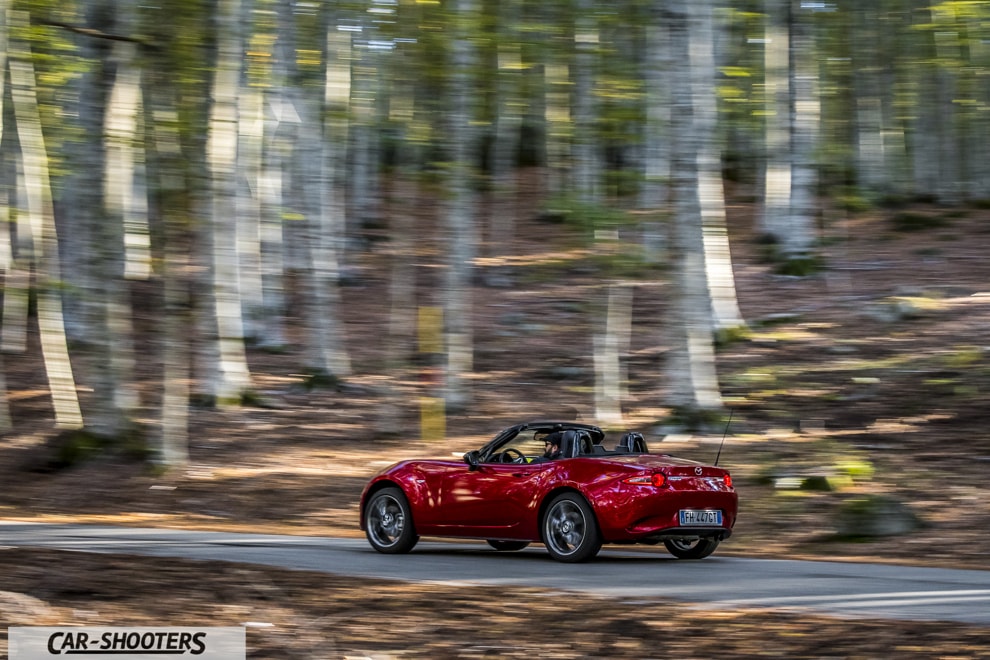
(691, 517)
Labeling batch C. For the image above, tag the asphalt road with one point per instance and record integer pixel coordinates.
(835, 588)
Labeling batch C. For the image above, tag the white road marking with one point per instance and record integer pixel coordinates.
(859, 601)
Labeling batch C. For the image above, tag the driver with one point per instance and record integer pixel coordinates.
(551, 443)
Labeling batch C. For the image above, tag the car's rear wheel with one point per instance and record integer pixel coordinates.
(691, 548)
(388, 522)
(507, 546)
(570, 530)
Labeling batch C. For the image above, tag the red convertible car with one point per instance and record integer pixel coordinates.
(510, 495)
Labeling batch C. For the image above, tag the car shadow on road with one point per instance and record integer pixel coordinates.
(537, 553)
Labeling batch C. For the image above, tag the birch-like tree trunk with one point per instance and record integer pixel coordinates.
(234, 379)
(102, 336)
(460, 215)
(950, 181)
(270, 327)
(51, 325)
(251, 138)
(364, 153)
(281, 129)
(557, 107)
(793, 113)
(17, 282)
(315, 172)
(503, 203)
(6, 247)
(691, 373)
(926, 123)
(331, 128)
(173, 440)
(125, 199)
(879, 140)
(587, 171)
(799, 242)
(711, 194)
(655, 189)
(777, 100)
(327, 354)
(611, 344)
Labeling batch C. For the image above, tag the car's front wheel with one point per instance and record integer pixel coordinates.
(389, 523)
(691, 549)
(570, 530)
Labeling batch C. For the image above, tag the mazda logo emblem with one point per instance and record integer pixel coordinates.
(697, 471)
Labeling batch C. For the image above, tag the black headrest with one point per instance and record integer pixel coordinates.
(632, 442)
(570, 444)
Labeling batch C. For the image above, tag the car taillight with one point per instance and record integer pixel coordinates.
(728, 480)
(657, 479)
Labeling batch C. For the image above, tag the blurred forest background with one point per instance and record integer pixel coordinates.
(183, 182)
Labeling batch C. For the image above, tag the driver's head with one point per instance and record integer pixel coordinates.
(551, 444)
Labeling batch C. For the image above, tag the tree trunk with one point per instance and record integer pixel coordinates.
(799, 242)
(173, 440)
(611, 345)
(17, 282)
(711, 194)
(655, 189)
(692, 377)
(251, 138)
(16, 235)
(6, 247)
(558, 110)
(793, 114)
(51, 325)
(234, 378)
(327, 355)
(103, 337)
(587, 171)
(777, 178)
(460, 216)
(503, 204)
(127, 219)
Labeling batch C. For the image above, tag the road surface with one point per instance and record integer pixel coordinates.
(834, 588)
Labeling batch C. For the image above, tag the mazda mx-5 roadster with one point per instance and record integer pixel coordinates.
(554, 483)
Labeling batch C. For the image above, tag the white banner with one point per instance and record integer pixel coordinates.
(101, 642)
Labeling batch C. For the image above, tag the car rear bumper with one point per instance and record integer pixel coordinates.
(654, 517)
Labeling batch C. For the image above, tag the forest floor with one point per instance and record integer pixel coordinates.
(866, 379)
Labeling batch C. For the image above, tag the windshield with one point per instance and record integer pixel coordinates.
(528, 442)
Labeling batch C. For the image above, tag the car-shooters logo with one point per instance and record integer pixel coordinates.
(96, 642)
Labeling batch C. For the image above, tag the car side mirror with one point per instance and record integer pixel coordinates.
(473, 459)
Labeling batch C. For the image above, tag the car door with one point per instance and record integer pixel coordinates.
(490, 501)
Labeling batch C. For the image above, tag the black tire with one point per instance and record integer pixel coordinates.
(507, 546)
(388, 522)
(570, 530)
(694, 549)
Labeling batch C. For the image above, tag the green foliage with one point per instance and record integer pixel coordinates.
(908, 221)
(797, 265)
(588, 218)
(800, 266)
(202, 401)
(852, 201)
(964, 356)
(693, 418)
(72, 448)
(822, 465)
(320, 380)
(625, 263)
(725, 337)
(75, 447)
(874, 515)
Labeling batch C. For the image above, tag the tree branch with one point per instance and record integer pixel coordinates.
(90, 32)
